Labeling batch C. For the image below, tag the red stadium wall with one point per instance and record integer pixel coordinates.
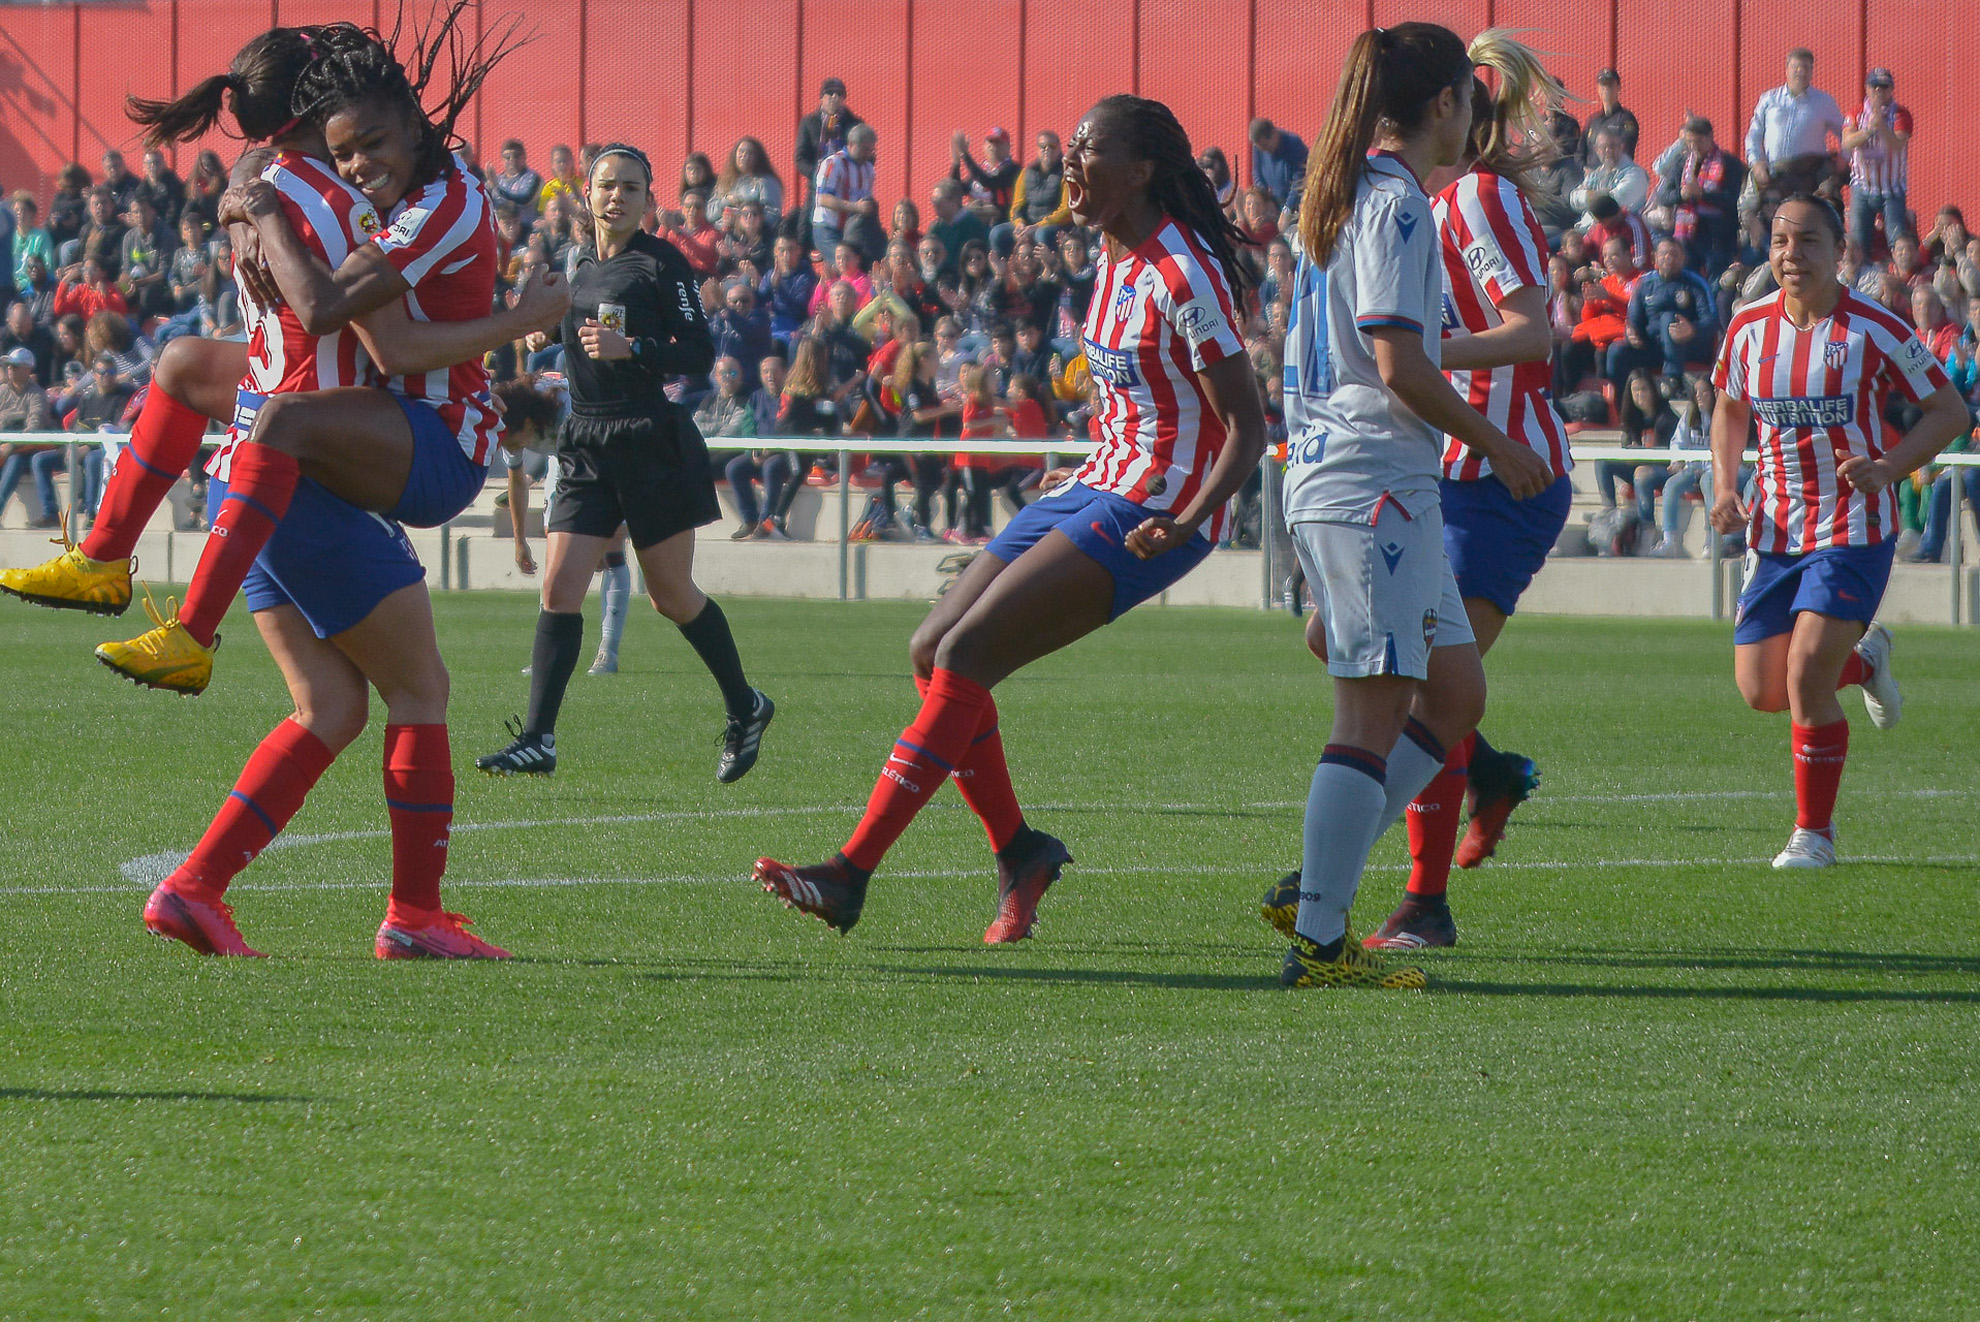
(671, 74)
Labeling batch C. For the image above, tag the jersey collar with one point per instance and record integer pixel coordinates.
(1384, 154)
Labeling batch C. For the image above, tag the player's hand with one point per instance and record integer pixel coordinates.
(1728, 514)
(543, 299)
(602, 344)
(536, 341)
(524, 560)
(250, 271)
(244, 202)
(1524, 472)
(1054, 477)
(1158, 534)
(1864, 473)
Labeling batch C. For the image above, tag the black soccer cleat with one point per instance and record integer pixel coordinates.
(830, 891)
(1026, 869)
(1496, 784)
(1419, 921)
(1280, 907)
(526, 755)
(742, 740)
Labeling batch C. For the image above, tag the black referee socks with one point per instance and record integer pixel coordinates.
(708, 633)
(551, 661)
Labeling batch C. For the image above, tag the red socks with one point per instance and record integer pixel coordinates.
(984, 780)
(952, 714)
(419, 793)
(258, 492)
(271, 788)
(160, 450)
(1433, 822)
(1819, 752)
(1854, 671)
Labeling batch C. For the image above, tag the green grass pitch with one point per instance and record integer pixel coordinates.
(1655, 1080)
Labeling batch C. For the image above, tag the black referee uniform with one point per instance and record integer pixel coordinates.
(628, 454)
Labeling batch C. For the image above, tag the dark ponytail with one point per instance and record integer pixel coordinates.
(255, 90)
(1389, 80)
(1178, 186)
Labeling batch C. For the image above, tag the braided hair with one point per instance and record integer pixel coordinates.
(1179, 187)
(255, 89)
(354, 65)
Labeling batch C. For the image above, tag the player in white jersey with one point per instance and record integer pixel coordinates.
(1495, 352)
(1811, 367)
(1367, 408)
(1179, 423)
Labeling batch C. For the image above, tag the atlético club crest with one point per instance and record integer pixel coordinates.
(1124, 301)
(1834, 354)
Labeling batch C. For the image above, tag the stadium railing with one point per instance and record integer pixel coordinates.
(1271, 570)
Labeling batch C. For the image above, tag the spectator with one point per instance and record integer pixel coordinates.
(1701, 187)
(1610, 221)
(1947, 241)
(1028, 295)
(117, 177)
(844, 190)
(1258, 217)
(904, 226)
(992, 184)
(68, 211)
(910, 283)
(71, 333)
(1604, 321)
(94, 293)
(1787, 144)
(1216, 168)
(558, 227)
(30, 240)
(1278, 161)
(724, 413)
(1276, 285)
(518, 185)
(24, 407)
(108, 335)
(1693, 431)
(1611, 174)
(747, 176)
(748, 240)
(698, 176)
(954, 225)
(786, 292)
(1647, 423)
(1928, 316)
(165, 189)
(846, 350)
(1906, 264)
(925, 411)
(739, 330)
(1877, 140)
(822, 134)
(1033, 356)
(1673, 320)
(1079, 278)
(146, 253)
(102, 231)
(1612, 117)
(564, 181)
(209, 183)
(23, 332)
(190, 265)
(847, 266)
(698, 241)
(773, 468)
(100, 409)
(1038, 204)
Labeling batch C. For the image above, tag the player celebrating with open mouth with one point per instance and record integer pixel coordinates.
(1813, 365)
(1179, 424)
(1368, 408)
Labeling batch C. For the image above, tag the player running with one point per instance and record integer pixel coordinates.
(1365, 403)
(1179, 425)
(1496, 351)
(1813, 366)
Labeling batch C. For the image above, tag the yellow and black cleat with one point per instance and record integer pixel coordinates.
(72, 581)
(166, 657)
(1308, 966)
(1280, 907)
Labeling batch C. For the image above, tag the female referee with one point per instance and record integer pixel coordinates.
(1496, 352)
(1814, 364)
(629, 455)
(1365, 403)
(1180, 427)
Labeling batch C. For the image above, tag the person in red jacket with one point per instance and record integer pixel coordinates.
(94, 294)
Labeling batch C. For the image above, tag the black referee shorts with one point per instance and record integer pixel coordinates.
(651, 474)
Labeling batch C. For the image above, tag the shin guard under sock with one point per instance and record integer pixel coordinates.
(271, 788)
(162, 446)
(419, 796)
(259, 489)
(920, 760)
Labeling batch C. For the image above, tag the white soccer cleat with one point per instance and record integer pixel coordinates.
(1881, 698)
(1808, 849)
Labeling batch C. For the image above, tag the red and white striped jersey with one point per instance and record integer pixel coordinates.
(1872, 168)
(1814, 392)
(1493, 247)
(442, 240)
(1159, 315)
(332, 219)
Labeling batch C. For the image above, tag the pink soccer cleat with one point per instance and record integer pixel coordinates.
(205, 924)
(409, 933)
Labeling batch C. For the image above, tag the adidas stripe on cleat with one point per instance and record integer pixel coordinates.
(1307, 965)
(826, 891)
(743, 739)
(1026, 869)
(1280, 907)
(525, 755)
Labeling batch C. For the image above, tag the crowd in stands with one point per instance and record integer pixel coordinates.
(839, 316)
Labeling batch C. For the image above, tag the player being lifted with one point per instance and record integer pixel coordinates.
(1812, 366)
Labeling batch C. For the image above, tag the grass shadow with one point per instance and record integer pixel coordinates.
(122, 1095)
(1544, 990)
(1094, 977)
(1841, 961)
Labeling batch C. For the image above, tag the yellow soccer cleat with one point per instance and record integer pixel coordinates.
(73, 581)
(1306, 966)
(166, 657)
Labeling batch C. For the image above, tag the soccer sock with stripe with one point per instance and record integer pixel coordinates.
(1433, 824)
(271, 787)
(1343, 809)
(614, 595)
(162, 446)
(1819, 753)
(983, 778)
(419, 795)
(1413, 763)
(551, 661)
(927, 752)
(259, 488)
(708, 633)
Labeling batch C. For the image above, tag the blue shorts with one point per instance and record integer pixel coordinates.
(1497, 544)
(329, 559)
(443, 480)
(1098, 523)
(1843, 582)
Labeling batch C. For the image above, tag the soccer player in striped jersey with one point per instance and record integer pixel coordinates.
(1365, 406)
(1812, 367)
(1496, 352)
(1179, 423)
